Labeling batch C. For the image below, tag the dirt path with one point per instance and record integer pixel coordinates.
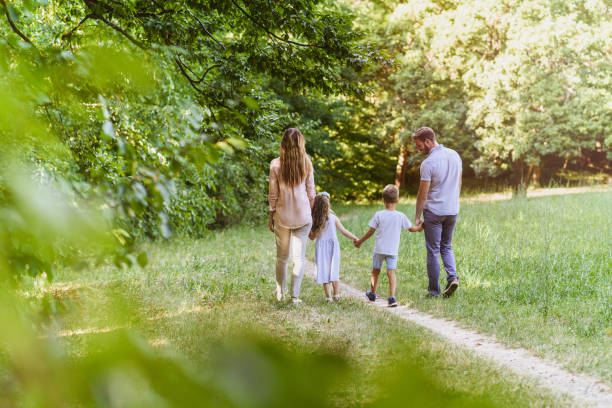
(583, 388)
(538, 192)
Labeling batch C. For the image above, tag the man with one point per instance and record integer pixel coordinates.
(438, 201)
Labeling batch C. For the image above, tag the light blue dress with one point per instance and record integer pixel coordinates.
(327, 252)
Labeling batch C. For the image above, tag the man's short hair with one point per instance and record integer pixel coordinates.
(390, 194)
(424, 133)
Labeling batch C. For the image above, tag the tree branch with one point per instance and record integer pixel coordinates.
(203, 75)
(12, 24)
(95, 4)
(194, 85)
(270, 33)
(122, 31)
(208, 70)
(145, 14)
(68, 35)
(204, 28)
(194, 82)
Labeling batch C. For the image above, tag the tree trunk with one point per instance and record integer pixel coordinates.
(537, 175)
(523, 175)
(528, 176)
(400, 170)
(519, 187)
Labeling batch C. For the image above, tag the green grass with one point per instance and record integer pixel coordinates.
(536, 273)
(198, 295)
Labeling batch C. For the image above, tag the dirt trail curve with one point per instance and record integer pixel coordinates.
(583, 388)
(538, 192)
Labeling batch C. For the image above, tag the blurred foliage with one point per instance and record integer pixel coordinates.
(39, 226)
(121, 368)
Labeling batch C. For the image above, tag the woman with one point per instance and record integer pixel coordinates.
(291, 195)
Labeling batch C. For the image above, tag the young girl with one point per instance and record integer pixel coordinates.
(327, 247)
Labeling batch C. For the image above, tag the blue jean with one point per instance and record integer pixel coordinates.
(377, 261)
(438, 238)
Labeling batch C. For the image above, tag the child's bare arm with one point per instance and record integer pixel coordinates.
(416, 228)
(367, 235)
(344, 231)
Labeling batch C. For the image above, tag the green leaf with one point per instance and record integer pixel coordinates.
(250, 103)
(238, 143)
(164, 226)
(140, 192)
(163, 191)
(108, 129)
(142, 259)
(13, 12)
(131, 259)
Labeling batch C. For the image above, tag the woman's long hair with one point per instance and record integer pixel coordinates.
(294, 163)
(320, 212)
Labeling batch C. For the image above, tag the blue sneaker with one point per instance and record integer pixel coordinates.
(392, 302)
(371, 296)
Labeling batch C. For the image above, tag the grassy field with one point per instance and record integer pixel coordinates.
(536, 273)
(199, 296)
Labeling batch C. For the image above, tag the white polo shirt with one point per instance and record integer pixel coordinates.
(442, 168)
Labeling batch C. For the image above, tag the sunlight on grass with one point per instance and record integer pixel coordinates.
(534, 272)
(196, 296)
(530, 274)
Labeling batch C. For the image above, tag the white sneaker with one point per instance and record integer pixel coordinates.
(296, 301)
(278, 294)
(337, 297)
(329, 300)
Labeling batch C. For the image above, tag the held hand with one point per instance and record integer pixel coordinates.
(271, 224)
(417, 221)
(416, 228)
(356, 243)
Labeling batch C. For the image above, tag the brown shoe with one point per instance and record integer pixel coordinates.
(450, 289)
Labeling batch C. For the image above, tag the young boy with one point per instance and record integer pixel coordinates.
(388, 225)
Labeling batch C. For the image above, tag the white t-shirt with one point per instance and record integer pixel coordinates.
(388, 225)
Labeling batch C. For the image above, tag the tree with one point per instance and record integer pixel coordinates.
(516, 87)
(143, 98)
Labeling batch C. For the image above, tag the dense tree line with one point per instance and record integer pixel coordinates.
(521, 88)
(168, 113)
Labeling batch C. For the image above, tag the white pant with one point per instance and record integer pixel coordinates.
(290, 241)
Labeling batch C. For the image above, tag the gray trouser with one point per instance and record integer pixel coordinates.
(438, 239)
(290, 242)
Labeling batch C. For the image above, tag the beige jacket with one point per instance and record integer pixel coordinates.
(292, 204)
